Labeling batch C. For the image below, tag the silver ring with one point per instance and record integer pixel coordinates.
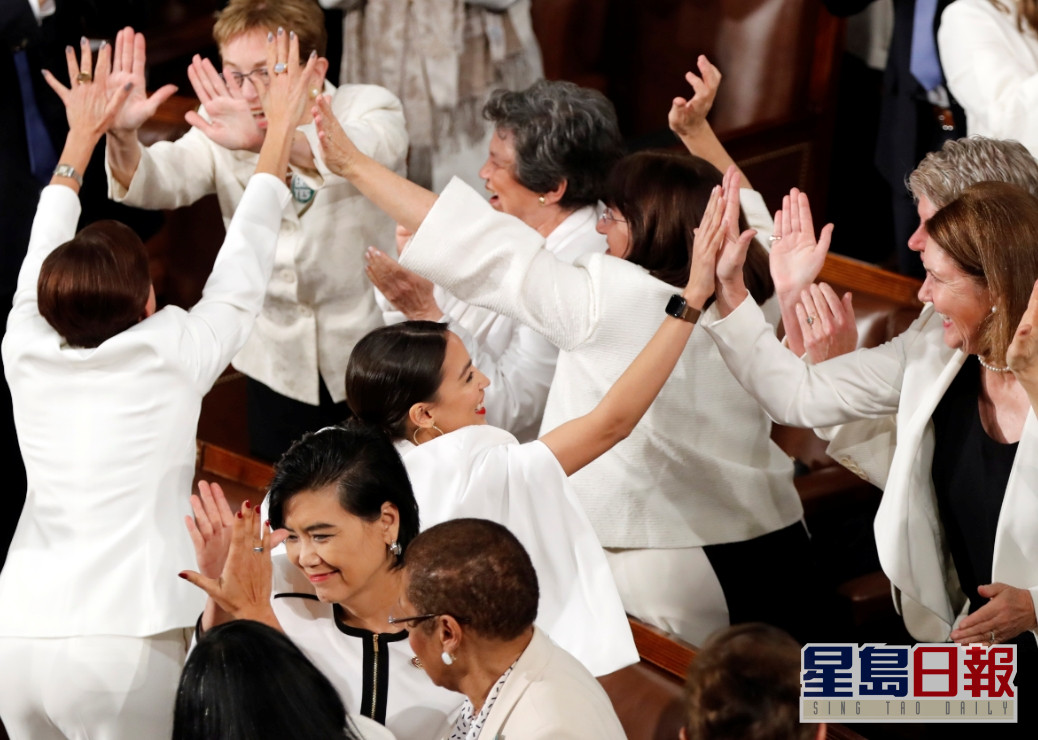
(280, 68)
(258, 549)
(810, 320)
(994, 637)
(773, 238)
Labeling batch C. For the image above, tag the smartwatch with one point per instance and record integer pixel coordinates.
(679, 309)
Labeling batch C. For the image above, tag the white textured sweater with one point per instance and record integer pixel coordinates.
(700, 468)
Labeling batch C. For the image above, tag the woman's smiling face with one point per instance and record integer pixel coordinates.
(459, 399)
(961, 300)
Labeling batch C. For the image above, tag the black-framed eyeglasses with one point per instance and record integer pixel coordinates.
(608, 214)
(261, 72)
(419, 618)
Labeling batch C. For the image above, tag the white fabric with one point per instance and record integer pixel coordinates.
(992, 70)
(42, 8)
(648, 581)
(700, 468)
(318, 302)
(369, 729)
(482, 472)
(519, 362)
(108, 438)
(415, 706)
(549, 695)
(98, 687)
(907, 375)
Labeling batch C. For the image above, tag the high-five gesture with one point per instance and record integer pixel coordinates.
(89, 106)
(232, 121)
(128, 69)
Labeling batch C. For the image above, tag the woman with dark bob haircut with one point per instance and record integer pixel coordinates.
(415, 384)
(699, 494)
(550, 155)
(247, 681)
(106, 392)
(470, 601)
(341, 499)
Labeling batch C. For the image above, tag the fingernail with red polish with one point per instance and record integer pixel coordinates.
(248, 504)
(240, 516)
(182, 574)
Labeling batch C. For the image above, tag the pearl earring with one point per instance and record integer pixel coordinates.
(541, 200)
(447, 658)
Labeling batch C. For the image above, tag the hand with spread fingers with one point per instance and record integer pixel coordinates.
(243, 587)
(128, 63)
(210, 528)
(796, 259)
(285, 94)
(826, 323)
(232, 123)
(1009, 612)
(409, 293)
(89, 104)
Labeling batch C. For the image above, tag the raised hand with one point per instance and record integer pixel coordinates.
(827, 323)
(686, 115)
(232, 120)
(796, 255)
(128, 65)
(89, 107)
(243, 587)
(340, 154)
(1008, 612)
(210, 528)
(716, 260)
(286, 93)
(1022, 355)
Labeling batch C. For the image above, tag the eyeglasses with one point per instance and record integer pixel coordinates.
(608, 214)
(261, 72)
(419, 618)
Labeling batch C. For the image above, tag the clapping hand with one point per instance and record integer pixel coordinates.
(827, 323)
(210, 528)
(128, 69)
(1022, 356)
(340, 153)
(409, 293)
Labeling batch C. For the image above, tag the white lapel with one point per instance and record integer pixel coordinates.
(1016, 544)
(528, 668)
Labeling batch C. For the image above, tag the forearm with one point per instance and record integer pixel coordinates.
(79, 146)
(790, 323)
(701, 141)
(301, 155)
(123, 154)
(277, 147)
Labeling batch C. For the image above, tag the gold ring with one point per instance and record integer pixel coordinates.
(84, 77)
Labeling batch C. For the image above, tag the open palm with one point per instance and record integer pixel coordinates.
(128, 69)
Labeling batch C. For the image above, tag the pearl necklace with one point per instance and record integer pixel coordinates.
(992, 368)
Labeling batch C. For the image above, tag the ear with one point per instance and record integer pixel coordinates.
(390, 521)
(321, 68)
(449, 632)
(554, 196)
(151, 304)
(420, 415)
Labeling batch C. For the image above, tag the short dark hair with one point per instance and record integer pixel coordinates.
(476, 571)
(391, 369)
(361, 462)
(662, 197)
(247, 681)
(745, 685)
(95, 285)
(562, 132)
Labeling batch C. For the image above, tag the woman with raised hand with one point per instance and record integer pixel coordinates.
(955, 527)
(699, 494)
(414, 384)
(106, 394)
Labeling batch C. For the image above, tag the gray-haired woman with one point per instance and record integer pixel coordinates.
(552, 149)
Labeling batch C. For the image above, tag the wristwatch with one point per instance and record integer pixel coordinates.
(679, 309)
(67, 170)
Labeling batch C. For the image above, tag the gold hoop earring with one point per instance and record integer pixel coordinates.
(414, 437)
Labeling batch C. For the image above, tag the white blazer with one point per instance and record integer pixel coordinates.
(907, 376)
(108, 438)
(549, 695)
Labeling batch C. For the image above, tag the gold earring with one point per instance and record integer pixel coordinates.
(414, 437)
(541, 200)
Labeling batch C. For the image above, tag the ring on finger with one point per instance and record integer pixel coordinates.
(280, 68)
(84, 77)
(994, 637)
(773, 238)
(258, 549)
(810, 320)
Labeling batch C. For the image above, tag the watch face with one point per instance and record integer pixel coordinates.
(676, 306)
